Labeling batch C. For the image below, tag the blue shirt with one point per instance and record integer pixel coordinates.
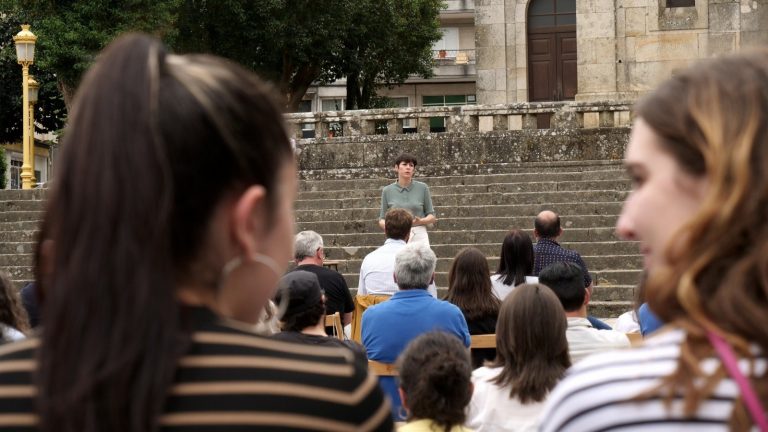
(548, 251)
(388, 327)
(648, 320)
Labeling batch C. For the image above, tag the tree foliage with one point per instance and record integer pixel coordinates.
(50, 112)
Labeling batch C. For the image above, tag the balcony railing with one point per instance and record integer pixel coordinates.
(454, 57)
(459, 5)
(460, 119)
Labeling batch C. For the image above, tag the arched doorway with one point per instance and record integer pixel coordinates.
(551, 50)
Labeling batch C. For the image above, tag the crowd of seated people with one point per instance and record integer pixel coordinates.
(151, 299)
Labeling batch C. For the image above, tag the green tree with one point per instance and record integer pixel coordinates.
(71, 32)
(50, 112)
(388, 41)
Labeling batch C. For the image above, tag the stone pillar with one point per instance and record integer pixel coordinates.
(529, 121)
(500, 122)
(422, 125)
(490, 46)
(321, 129)
(596, 50)
(394, 126)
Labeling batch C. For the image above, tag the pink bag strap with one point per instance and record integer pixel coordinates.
(747, 392)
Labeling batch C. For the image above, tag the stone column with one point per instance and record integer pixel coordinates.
(490, 46)
(596, 49)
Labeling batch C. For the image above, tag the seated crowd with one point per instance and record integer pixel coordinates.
(150, 287)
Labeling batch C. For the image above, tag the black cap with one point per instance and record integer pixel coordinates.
(303, 291)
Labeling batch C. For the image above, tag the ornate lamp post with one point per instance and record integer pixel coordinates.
(25, 54)
(34, 89)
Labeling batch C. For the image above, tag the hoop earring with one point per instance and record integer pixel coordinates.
(237, 261)
(402, 413)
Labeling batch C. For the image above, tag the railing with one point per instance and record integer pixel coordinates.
(460, 119)
(459, 5)
(454, 57)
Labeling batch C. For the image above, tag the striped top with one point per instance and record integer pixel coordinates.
(597, 393)
(233, 380)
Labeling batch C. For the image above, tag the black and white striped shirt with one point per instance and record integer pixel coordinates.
(597, 393)
(233, 380)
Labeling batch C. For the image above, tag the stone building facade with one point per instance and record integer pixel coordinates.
(623, 47)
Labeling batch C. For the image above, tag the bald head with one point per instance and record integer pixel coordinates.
(547, 225)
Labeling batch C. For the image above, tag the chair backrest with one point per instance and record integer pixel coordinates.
(635, 338)
(382, 369)
(482, 341)
(334, 321)
(462, 58)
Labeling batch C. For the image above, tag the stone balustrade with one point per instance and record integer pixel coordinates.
(459, 119)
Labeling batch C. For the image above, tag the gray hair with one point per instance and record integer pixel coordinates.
(306, 244)
(414, 266)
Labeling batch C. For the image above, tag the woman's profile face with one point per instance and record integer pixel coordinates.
(663, 198)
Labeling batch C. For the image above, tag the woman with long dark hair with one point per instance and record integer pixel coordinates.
(516, 261)
(13, 318)
(531, 357)
(697, 159)
(469, 288)
(169, 225)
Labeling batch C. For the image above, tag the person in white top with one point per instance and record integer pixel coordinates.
(697, 159)
(531, 357)
(566, 279)
(515, 263)
(13, 317)
(378, 267)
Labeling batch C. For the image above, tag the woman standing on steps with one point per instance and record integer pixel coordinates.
(411, 195)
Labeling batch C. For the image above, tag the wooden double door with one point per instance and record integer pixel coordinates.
(552, 64)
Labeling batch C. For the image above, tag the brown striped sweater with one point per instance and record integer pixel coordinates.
(232, 380)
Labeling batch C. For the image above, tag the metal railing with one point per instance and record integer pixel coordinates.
(454, 57)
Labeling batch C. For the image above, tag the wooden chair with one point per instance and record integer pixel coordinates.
(382, 369)
(482, 341)
(331, 264)
(635, 339)
(334, 321)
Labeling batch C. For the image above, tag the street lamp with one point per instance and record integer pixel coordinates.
(25, 54)
(34, 89)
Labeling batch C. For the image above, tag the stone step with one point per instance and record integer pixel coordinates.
(611, 309)
(489, 249)
(601, 278)
(438, 191)
(603, 262)
(20, 225)
(469, 237)
(19, 273)
(480, 199)
(462, 223)
(23, 194)
(16, 260)
(22, 205)
(18, 236)
(462, 169)
(26, 247)
(15, 216)
(475, 211)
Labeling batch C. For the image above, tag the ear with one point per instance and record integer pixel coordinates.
(536, 233)
(560, 232)
(587, 295)
(432, 280)
(401, 392)
(471, 388)
(248, 217)
(407, 237)
(394, 276)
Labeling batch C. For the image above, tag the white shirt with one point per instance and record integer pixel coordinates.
(583, 339)
(378, 269)
(599, 393)
(501, 290)
(491, 408)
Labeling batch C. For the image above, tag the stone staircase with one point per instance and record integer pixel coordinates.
(477, 208)
(474, 208)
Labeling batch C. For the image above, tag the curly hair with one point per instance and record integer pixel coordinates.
(12, 313)
(713, 120)
(435, 371)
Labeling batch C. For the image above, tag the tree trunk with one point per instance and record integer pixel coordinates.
(68, 92)
(352, 91)
(300, 82)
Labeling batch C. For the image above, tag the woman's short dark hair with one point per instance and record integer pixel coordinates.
(531, 347)
(469, 285)
(155, 142)
(516, 258)
(435, 375)
(405, 157)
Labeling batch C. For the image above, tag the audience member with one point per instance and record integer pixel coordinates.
(566, 280)
(515, 263)
(309, 254)
(13, 319)
(547, 251)
(435, 383)
(302, 314)
(697, 158)
(171, 220)
(469, 288)
(409, 194)
(389, 326)
(29, 300)
(532, 356)
(376, 283)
